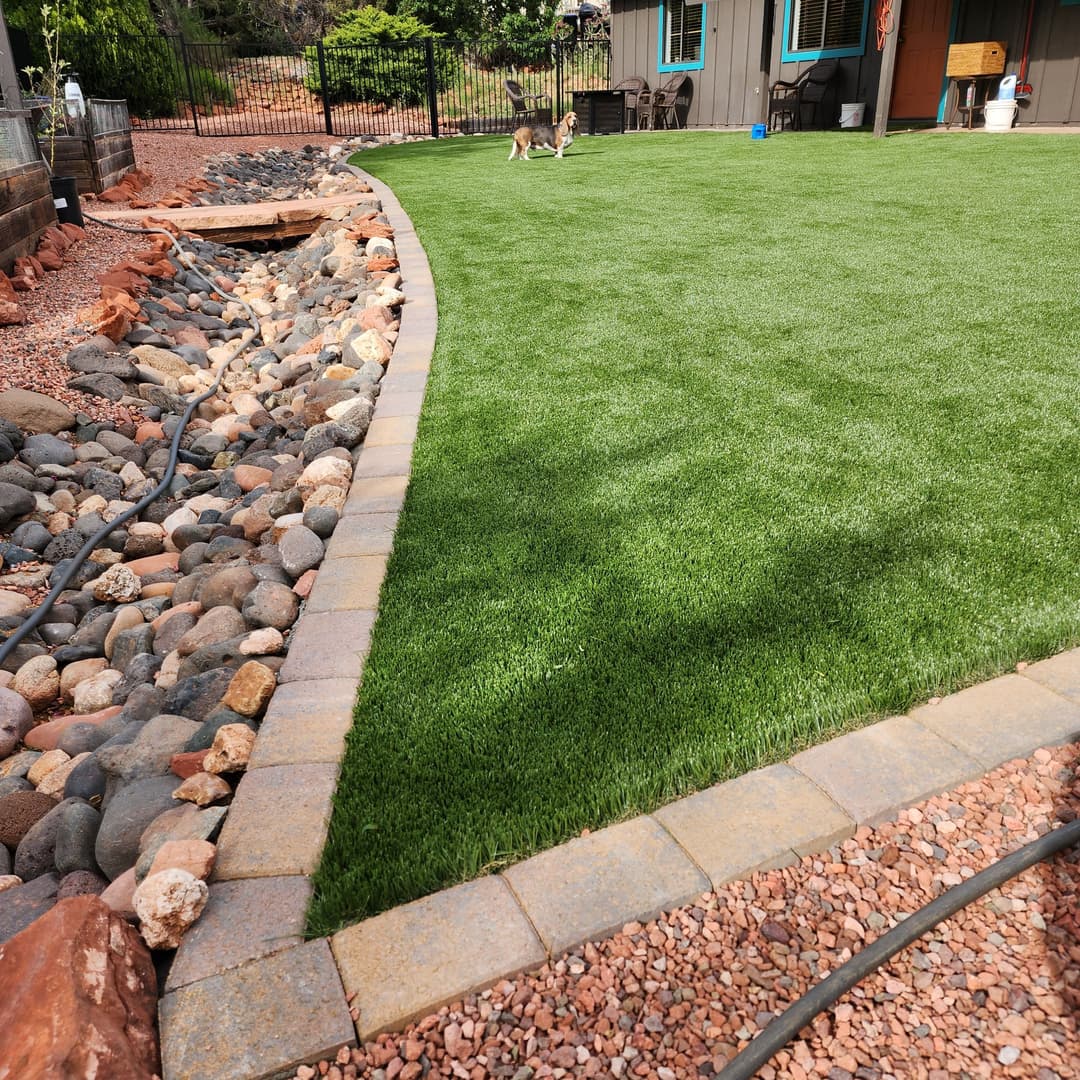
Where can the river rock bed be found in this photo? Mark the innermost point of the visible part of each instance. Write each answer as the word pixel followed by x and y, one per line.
pixel 128 715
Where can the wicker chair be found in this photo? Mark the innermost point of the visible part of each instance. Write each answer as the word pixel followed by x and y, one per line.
pixel 658 108
pixel 528 108
pixel 787 100
pixel 632 88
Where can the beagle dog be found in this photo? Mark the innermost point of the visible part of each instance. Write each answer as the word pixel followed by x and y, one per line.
pixel 544 137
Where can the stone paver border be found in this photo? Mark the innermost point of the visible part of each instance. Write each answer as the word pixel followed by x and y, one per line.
pixel 247 998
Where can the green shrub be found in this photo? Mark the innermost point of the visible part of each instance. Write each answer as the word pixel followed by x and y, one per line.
pixel 375 57
pixel 114 46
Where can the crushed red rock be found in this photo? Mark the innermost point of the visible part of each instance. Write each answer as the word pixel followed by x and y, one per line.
pixel 994 991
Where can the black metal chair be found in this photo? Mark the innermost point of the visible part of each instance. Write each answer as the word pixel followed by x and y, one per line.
pixel 787 100
pixel 528 108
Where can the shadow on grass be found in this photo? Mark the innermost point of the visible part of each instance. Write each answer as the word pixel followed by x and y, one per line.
pixel 585 693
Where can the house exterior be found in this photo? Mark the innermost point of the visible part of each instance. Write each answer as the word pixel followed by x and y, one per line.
pixel 732 50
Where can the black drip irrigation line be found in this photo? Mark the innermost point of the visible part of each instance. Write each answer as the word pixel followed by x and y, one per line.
pixel 187 261
pixel 788 1025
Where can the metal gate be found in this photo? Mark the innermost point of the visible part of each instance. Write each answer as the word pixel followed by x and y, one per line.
pixel 422 88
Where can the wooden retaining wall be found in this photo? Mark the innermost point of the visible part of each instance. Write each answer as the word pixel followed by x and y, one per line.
pixel 26 202
pixel 98 151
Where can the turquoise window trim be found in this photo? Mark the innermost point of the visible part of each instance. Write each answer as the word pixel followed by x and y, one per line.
pixel 945 78
pixel 692 65
pixel 822 54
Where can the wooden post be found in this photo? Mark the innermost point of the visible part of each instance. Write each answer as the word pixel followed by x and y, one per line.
pixel 888 67
pixel 9 79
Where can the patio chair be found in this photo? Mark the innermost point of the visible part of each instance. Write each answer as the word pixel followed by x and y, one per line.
pixel 528 108
pixel 787 100
pixel 658 108
pixel 632 88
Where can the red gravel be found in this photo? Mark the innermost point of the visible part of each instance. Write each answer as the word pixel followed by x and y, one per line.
pixel 32 356
pixel 994 991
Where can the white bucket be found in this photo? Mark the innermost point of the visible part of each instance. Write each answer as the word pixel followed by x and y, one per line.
pixel 851 115
pixel 999 115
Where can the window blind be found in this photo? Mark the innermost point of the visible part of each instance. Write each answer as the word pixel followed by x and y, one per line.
pixel 826 24
pixel 684 32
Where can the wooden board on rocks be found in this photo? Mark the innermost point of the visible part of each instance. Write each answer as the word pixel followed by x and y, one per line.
pixel 249 221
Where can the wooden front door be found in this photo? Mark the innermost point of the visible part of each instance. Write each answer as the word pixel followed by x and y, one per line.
pixel 920 59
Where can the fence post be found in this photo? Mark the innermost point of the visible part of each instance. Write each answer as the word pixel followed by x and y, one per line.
pixel 558 80
pixel 432 87
pixel 190 84
pixel 328 116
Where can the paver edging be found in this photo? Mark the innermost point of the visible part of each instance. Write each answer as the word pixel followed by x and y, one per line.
pixel 368 520
pixel 378 491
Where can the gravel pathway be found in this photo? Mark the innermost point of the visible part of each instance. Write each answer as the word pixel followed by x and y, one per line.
pixel 995 991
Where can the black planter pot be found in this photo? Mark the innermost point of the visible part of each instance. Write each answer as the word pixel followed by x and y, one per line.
pixel 65 191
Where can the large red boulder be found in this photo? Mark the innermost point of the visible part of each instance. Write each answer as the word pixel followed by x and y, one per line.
pixel 86 997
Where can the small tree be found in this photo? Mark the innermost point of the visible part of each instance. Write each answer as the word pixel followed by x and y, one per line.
pixel 46 80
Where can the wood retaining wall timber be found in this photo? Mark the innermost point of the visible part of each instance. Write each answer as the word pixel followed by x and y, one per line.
pixel 26 202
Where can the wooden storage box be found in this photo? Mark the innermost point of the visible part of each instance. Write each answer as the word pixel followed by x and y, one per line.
pixel 975 58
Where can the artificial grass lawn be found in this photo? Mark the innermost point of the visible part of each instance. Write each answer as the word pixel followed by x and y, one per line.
pixel 728 446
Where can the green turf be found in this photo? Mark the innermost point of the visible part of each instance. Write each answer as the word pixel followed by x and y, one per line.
pixel 728 446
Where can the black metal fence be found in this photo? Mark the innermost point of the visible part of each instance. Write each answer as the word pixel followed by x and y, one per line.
pixel 427 87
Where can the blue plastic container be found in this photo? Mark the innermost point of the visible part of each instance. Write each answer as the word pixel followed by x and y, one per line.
pixel 1007 89
pixel 758 131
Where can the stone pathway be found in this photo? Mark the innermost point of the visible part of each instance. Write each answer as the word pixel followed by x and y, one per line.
pixel 248 998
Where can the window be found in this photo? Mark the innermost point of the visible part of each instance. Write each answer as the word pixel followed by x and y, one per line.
pixel 820 28
pixel 682 36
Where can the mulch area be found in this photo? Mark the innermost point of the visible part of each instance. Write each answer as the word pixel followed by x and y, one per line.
pixel 994 991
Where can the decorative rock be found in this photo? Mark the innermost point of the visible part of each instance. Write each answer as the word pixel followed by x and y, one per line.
pixel 15 502
pixel 198 695
pixel 46 736
pixel 46 450
pixel 250 691
pixel 53 784
pixel 263 642
pixel 232 748
pixel 87 1000
pixel 20 906
pixel 167 904
pixel 16 719
pixel 120 895
pixel 300 550
pixel 45 764
pixel 38 682
pixel 129 811
pixel 75 835
pixel 184 822
pixel 36 853
pixel 271 604
pixel 117 584
pixel 35 412
pixel 217 625
pixel 194 856
pixel 81 883
pixel 19 812
pixel 74 673
pixel 202 788
pixel 151 751
pixel 187 763
pixel 250 477
pixel 96 693
pixel 126 619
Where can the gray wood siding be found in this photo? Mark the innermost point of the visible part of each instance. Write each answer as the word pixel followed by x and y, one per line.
pixel 732 88
pixel 1054 67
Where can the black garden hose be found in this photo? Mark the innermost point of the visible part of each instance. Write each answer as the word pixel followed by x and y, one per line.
pixel 76 562
pixel 788 1025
